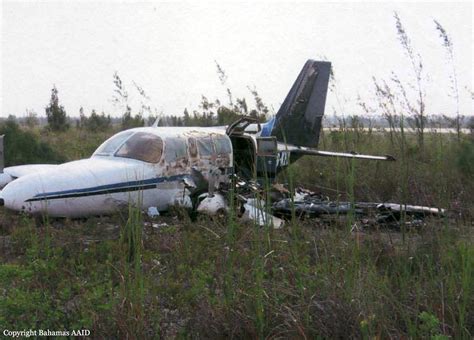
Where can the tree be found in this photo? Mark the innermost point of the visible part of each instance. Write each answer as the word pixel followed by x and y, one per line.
pixel 97 122
pixel 186 118
pixel 129 121
pixel 55 113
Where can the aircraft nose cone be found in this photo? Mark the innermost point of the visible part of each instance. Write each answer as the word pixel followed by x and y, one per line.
pixel 15 195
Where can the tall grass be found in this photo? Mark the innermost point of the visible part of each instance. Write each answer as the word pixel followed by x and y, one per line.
pixel 310 279
pixel 132 280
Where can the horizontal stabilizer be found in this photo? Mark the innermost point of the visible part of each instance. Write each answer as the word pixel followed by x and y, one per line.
pixel 309 152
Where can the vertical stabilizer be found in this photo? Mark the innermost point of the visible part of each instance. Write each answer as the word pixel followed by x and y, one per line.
pixel 299 118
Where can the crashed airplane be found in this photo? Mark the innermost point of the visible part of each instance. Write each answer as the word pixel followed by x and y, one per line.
pixel 161 166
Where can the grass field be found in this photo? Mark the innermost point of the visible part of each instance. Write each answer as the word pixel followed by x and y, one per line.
pixel 120 276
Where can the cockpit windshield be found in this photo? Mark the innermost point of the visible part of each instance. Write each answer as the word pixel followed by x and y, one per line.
pixel 110 145
pixel 142 146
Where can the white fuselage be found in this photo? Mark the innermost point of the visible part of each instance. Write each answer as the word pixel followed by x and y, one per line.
pixel 144 167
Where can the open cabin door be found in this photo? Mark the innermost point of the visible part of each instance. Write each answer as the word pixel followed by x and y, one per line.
pixel 267 157
pixel 253 157
pixel 238 127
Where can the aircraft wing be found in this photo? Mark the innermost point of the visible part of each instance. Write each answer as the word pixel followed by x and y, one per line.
pixel 23 170
pixel 13 172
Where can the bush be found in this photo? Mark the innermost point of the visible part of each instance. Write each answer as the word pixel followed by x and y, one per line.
pixel 24 147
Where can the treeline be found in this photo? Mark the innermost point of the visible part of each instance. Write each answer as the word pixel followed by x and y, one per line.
pixel 209 113
pixel 214 113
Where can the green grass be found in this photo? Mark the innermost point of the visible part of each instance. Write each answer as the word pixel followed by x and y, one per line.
pixel 215 278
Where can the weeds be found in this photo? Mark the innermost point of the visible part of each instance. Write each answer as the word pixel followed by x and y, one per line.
pixel 132 282
pixel 216 278
pixel 182 280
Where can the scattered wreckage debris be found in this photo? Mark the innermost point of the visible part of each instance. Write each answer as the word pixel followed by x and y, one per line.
pixel 312 205
pixel 304 204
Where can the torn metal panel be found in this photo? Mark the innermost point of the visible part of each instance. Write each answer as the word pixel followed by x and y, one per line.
pixel 153 212
pixel 312 208
pixel 254 211
pixel 212 205
pixel 411 209
pixel 389 212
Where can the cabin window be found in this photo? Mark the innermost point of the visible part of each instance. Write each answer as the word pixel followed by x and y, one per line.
pixel 223 145
pixel 205 146
pixel 192 147
pixel 175 148
pixel 109 146
pixel 142 146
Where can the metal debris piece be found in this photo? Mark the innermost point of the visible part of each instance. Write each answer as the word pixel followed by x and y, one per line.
pixel 311 208
pixel 254 211
pixel 212 204
pixel 308 204
pixel 389 212
pixel 304 204
pixel 153 212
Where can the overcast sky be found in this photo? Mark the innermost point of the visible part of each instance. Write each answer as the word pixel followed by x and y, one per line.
pixel 170 50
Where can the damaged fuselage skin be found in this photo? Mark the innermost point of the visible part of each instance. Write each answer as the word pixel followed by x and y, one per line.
pixel 144 166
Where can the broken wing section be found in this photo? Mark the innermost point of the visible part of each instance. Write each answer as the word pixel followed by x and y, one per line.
pixel 298 121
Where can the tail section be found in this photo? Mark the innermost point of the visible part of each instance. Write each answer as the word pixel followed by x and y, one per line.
pixel 298 121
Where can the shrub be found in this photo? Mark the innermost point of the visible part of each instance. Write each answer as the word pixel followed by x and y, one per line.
pixel 24 147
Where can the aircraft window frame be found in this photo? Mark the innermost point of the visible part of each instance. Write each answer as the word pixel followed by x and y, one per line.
pixel 171 144
pixel 205 144
pixel 120 137
pixel 222 145
pixel 143 150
